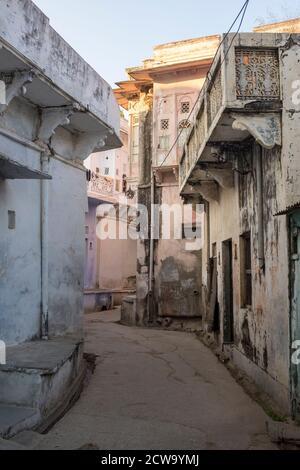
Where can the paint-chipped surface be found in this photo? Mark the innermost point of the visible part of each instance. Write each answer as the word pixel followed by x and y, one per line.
pixel 27 29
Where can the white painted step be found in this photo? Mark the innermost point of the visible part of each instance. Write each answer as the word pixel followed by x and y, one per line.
pixel 14 419
pixel 10 445
pixel 28 439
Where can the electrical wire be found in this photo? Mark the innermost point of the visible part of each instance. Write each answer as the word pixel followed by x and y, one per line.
pixel 209 78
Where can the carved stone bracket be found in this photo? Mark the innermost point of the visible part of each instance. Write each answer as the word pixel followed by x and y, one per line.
pixel 266 128
pixel 16 87
pixel 87 143
pixel 210 191
pixel 52 118
pixel 206 190
pixel 222 176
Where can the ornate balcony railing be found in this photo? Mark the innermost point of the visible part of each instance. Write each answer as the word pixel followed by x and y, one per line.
pixel 101 185
pixel 244 79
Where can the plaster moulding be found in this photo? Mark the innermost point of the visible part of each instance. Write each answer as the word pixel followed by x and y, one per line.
pixel 16 87
pixel 266 129
pixel 87 143
pixel 52 118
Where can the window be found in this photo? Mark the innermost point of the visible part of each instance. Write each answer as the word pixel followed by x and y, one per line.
pixel 106 171
pixel 164 124
pixel 164 142
pixel 97 170
pixel 11 220
pixel 118 186
pixel 185 107
pixel 183 130
pixel 117 171
pixel 246 270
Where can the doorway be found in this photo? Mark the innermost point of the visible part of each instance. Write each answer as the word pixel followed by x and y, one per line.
pixel 228 326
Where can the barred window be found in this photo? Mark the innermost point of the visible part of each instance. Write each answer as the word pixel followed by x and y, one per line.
pixel 183 130
pixel 185 107
pixel 164 124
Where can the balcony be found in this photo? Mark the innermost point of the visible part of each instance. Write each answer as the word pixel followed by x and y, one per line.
pixel 240 98
pixel 101 187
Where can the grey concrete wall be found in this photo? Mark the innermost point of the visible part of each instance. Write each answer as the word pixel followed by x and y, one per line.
pixel 20 261
pixel 67 206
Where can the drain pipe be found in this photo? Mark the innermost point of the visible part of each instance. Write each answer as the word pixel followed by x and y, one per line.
pixel 44 249
pixel 260 207
pixel 151 254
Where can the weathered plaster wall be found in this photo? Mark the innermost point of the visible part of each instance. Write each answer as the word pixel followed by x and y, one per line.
pixel 290 80
pixel 91 254
pixel 261 332
pixel 27 29
pixel 177 271
pixel 169 93
pixel 20 261
pixel 117 262
pixel 67 207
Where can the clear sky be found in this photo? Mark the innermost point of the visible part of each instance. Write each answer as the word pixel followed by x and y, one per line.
pixel 114 34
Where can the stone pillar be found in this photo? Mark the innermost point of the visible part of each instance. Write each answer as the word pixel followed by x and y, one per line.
pixel 144 197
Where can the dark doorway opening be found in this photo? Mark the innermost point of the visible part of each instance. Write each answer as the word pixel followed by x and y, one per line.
pixel 228 322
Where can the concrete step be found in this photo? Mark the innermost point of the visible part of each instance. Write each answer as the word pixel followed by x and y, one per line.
pixel 28 439
pixel 38 383
pixel 38 372
pixel 10 445
pixel 14 419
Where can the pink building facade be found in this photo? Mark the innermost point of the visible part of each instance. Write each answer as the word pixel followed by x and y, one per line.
pixel 110 264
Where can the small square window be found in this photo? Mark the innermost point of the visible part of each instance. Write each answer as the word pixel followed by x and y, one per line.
pixel 185 107
pixel 164 124
pixel 11 220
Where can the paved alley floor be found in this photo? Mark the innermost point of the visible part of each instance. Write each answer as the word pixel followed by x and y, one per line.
pixel 155 389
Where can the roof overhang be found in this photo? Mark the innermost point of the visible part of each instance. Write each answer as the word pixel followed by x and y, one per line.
pixel 10 169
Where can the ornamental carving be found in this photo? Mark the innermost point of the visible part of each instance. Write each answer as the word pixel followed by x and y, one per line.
pixel 215 97
pixel 101 184
pixel 257 74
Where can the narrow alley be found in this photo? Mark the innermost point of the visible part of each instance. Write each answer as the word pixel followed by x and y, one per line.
pixel 150 229
pixel 156 389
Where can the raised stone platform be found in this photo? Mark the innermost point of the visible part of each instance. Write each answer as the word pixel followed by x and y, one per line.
pixel 38 382
pixel 128 311
pixel 97 300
